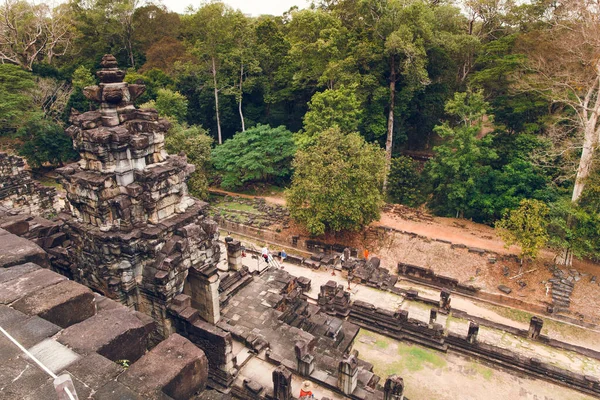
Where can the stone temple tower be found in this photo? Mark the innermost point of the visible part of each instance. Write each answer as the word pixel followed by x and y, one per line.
pixel 136 235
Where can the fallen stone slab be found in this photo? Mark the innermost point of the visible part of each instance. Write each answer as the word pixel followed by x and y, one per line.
pixel 25 329
pixel 118 334
pixel 94 370
pixel 115 391
pixel 175 367
pixel 28 283
pixel 476 250
pixel 15 224
pixel 7 274
pixel 63 304
pixel 504 289
pixel 15 250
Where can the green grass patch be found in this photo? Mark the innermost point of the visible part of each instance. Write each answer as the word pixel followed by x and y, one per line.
pixel 414 357
pixel 390 356
pixel 485 372
pixel 233 206
pixel 262 190
pixel 382 343
pixel 50 182
pixel 512 313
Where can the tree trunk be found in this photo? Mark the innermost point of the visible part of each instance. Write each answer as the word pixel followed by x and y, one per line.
pixel 130 51
pixel 390 132
pixel 214 73
pixel 590 142
pixel 565 258
pixel 241 96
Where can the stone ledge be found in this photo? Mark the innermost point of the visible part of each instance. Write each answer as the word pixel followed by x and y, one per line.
pixel 175 367
pixel 28 283
pixel 15 250
pixel 116 334
pixel 63 304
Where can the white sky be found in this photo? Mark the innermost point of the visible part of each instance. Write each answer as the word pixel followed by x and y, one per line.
pixel 252 7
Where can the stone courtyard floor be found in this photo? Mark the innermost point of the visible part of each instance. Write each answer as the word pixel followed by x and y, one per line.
pixel 429 374
pixel 435 375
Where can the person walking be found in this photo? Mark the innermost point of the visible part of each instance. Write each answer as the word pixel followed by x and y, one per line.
pixel 265 253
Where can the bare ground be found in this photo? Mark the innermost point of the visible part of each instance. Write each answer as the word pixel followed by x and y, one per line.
pixel 471 268
pixel 433 375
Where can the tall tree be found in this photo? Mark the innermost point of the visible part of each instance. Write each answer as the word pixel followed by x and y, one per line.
pixel 15 103
pixel 31 32
pixel 404 28
pixel 565 67
pixel 336 183
pixel 210 31
pixel 463 157
pixel 332 107
pixel 242 60
pixel 526 226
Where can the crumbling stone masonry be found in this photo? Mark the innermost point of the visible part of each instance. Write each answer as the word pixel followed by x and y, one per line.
pixel 84 335
pixel 20 193
pixel 394 388
pixel 135 234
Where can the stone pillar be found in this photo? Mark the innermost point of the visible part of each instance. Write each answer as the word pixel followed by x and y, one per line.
pixel 306 362
pixel 348 373
pixel 202 286
pixel 535 327
pixel 432 317
pixel 234 254
pixel 473 331
pixel 445 301
pixel 282 383
pixel 401 316
pixel 394 388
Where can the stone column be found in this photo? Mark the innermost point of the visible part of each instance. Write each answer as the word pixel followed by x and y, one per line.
pixel 535 327
pixel 473 331
pixel 432 317
pixel 306 362
pixel 401 316
pixel 234 254
pixel 445 301
pixel 282 383
pixel 203 287
pixel 348 373
pixel 394 388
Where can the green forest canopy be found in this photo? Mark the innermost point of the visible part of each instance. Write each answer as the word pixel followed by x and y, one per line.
pixel 496 99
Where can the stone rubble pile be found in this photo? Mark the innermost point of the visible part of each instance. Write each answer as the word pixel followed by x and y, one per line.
pixel 20 193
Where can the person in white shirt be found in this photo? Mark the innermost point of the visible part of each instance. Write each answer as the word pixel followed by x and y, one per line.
pixel 265 254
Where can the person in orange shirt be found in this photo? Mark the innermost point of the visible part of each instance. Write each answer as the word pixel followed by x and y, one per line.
pixel 366 254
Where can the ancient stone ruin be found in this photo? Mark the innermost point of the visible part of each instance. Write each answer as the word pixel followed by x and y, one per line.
pixel 132 234
pixel 136 235
pixel 19 193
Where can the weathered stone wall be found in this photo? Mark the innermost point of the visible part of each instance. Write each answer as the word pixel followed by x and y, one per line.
pixel 215 342
pixel 144 268
pixel 135 234
pixel 20 193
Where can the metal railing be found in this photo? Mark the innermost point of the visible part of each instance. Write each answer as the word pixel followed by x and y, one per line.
pixel 62 384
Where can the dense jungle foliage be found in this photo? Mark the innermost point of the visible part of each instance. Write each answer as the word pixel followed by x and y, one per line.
pixel 477 105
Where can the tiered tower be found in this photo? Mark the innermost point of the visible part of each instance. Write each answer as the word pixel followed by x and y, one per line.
pixel 136 235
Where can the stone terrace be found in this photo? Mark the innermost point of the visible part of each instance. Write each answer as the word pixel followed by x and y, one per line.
pixel 73 331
